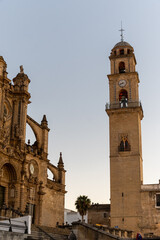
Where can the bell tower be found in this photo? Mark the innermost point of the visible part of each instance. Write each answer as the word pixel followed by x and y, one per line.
pixel 20 103
pixel 125 114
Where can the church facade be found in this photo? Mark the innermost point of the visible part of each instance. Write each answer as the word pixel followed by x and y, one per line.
pixel 24 183
pixel 134 206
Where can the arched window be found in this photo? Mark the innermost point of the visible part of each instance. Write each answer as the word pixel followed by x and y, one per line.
pixel 124 144
pixel 121 67
pixel 123 98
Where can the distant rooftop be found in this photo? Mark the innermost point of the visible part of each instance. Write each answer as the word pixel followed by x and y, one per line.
pixel 100 206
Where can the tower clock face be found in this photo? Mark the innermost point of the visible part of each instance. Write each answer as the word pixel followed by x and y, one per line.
pixel 122 83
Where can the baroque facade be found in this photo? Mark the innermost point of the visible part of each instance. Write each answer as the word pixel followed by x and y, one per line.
pixel 134 205
pixel 24 183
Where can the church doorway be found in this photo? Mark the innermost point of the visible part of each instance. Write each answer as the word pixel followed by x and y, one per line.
pixel 8 185
pixel 2 195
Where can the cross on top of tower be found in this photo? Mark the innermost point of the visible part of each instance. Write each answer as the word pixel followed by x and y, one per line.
pixel 121 30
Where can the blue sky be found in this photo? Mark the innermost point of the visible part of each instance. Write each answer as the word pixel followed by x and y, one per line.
pixel 64 47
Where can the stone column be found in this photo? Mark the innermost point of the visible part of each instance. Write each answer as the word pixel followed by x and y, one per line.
pixel 40 201
pixel 21 196
pixel 23 172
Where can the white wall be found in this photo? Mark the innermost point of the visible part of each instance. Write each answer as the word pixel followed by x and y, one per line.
pixel 72 216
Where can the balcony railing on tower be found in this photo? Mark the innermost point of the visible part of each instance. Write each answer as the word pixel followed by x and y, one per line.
pixel 123 104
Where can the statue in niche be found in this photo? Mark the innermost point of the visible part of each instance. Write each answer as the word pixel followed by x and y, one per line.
pixel 17 131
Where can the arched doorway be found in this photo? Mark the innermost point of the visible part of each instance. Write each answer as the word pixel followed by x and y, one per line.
pixel 7 185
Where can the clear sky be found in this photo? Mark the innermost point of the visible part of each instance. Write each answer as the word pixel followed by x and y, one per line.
pixel 64 47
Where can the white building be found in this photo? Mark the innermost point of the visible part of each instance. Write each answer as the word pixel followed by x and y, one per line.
pixel 73 216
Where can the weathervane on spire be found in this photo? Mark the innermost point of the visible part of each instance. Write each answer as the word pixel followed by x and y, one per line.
pixel 121 30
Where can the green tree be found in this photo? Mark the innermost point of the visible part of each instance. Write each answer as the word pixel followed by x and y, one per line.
pixel 82 204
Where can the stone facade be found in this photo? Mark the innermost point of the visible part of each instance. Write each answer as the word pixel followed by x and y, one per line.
pixel 99 214
pixel 150 209
pixel 24 184
pixel 133 205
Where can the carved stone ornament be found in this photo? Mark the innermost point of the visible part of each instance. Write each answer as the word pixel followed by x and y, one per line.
pixel 33 168
pixel 7 111
pixel 40 192
pixel 4 135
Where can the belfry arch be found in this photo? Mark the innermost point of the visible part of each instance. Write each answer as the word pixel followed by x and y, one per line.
pixel 122 67
pixel 123 94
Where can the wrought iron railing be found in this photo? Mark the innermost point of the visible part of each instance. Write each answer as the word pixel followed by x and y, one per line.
pixel 123 104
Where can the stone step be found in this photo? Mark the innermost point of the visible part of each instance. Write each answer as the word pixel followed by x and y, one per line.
pixel 38 235
pixel 56 234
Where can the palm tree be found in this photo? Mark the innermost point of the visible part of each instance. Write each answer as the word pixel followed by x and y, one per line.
pixel 82 204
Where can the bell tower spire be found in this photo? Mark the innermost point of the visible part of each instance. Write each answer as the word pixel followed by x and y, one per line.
pixel 125 115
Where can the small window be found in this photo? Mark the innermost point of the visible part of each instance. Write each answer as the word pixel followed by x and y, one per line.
pixel 105 215
pixel 115 53
pixel 121 51
pixel 158 200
